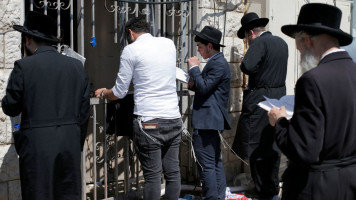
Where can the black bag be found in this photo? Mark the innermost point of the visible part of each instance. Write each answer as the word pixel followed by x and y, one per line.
pixel 119 117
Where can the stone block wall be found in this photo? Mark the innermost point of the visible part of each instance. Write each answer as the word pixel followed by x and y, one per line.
pixel 11 12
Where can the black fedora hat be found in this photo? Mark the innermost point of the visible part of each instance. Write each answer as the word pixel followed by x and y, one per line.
pixel 210 34
pixel 316 18
pixel 249 21
pixel 40 26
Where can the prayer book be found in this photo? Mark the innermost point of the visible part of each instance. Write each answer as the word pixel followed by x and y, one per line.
pixel 286 101
pixel 182 75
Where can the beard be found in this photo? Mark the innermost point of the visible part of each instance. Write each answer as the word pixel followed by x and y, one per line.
pixel 308 61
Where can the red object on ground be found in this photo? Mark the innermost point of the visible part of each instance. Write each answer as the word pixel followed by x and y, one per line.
pixel 235 197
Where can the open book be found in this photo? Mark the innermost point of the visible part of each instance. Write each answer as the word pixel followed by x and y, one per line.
pixel 182 75
pixel 286 101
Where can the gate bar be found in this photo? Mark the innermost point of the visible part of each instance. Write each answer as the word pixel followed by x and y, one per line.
pixel 158 34
pixel 71 25
pixel 145 2
pixel 115 22
pixel 164 19
pixel 82 27
pixel 59 24
pixel 172 22
pixel 93 20
pixel 94 151
pixel 105 153
pixel 45 7
pixel 31 5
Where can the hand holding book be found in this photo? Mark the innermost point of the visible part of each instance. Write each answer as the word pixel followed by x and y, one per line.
pixel 286 101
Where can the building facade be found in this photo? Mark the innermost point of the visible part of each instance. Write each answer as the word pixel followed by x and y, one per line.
pixel 92 28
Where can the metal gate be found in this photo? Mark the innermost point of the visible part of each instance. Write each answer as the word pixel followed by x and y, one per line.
pixel 110 169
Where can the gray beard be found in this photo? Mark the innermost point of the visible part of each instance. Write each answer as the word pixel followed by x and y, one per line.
pixel 308 62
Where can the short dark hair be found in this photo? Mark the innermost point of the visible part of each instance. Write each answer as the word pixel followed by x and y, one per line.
pixel 205 42
pixel 137 25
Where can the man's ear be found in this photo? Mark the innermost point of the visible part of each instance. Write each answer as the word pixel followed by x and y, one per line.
pixel 131 32
pixel 28 40
pixel 250 33
pixel 210 45
pixel 308 41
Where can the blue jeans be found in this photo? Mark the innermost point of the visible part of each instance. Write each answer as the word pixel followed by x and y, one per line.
pixel 158 152
pixel 207 149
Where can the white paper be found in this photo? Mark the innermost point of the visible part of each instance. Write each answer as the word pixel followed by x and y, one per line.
pixel 239 54
pixel 286 101
pixel 71 53
pixel 182 75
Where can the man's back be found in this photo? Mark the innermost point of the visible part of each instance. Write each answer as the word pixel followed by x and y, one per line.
pixel 266 61
pixel 320 139
pixel 54 85
pixel 332 84
pixel 154 63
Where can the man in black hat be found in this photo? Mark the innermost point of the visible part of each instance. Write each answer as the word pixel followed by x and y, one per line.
pixel 51 91
pixel 210 114
pixel 320 138
pixel 266 64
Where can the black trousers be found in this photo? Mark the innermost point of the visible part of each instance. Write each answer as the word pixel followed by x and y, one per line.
pixel 264 165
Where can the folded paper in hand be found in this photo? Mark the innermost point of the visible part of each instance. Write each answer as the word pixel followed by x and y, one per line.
pixel 182 75
pixel 286 101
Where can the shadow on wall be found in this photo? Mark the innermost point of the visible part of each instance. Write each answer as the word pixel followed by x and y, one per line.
pixel 229 7
pixel 10 186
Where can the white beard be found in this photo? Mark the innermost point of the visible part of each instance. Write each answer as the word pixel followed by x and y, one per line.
pixel 308 61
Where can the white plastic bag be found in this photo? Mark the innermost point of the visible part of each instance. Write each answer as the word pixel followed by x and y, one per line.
pixel 71 53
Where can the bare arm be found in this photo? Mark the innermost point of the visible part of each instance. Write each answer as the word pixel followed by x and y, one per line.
pixel 105 93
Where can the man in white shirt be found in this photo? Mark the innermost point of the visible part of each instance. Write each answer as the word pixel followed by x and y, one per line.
pixel 150 62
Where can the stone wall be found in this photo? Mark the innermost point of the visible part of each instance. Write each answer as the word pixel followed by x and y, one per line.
pixel 11 12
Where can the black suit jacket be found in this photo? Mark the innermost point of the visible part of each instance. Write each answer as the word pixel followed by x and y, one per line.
pixel 48 89
pixel 323 128
pixel 212 87
pixel 51 91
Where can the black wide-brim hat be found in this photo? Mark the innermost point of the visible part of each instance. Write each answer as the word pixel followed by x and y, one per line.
pixel 249 21
pixel 210 34
pixel 317 18
pixel 39 26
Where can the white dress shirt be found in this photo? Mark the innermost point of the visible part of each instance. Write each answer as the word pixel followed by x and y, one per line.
pixel 151 64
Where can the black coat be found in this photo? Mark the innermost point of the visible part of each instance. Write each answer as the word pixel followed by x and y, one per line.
pixel 51 92
pixel 322 129
pixel 265 63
